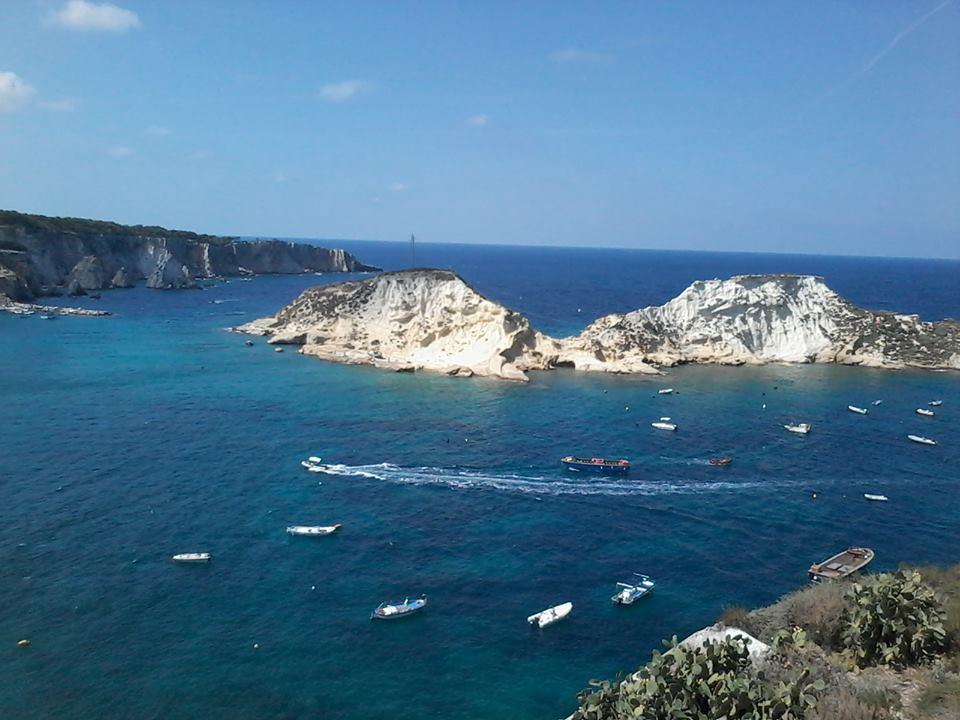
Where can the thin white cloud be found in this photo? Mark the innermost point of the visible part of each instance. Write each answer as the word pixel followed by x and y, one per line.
pixel 120 151
pixel 342 91
pixel 576 55
pixel 84 15
pixel 480 120
pixel 159 130
pixel 61 105
pixel 15 92
pixel 399 187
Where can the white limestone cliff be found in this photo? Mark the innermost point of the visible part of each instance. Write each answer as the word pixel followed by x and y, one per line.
pixel 433 320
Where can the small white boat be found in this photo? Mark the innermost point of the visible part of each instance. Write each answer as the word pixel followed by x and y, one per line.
pixel 802 428
pixel 925 412
pixel 664 425
pixel 935 403
pixel 877 402
pixel 200 557
pixel 278 349
pixel 315 459
pixel 664 391
pixel 858 410
pixel 313 530
pixel 876 498
pixel 550 615
pixel 629 593
pixel 922 440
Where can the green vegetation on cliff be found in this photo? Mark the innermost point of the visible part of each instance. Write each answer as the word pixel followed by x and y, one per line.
pixel 82 226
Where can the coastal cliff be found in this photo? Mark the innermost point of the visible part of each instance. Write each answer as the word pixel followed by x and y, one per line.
pixel 432 319
pixel 417 319
pixel 44 256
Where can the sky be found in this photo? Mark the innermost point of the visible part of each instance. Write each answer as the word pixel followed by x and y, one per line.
pixel 814 127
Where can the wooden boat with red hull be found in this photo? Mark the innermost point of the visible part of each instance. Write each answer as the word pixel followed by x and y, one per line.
pixel 841 565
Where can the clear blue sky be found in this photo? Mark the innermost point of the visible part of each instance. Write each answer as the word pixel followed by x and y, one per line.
pixel 827 127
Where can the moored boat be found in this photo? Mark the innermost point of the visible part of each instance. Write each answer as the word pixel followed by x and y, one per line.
pixel 801 428
pixel 195 557
pixel 935 403
pixel 841 565
pixel 858 410
pixel 721 461
pixel 550 615
pixel 396 610
pixel 877 402
pixel 876 498
pixel 922 440
pixel 663 425
pixel 601 465
pixel 631 592
pixel 313 530
pixel 925 412
pixel 665 391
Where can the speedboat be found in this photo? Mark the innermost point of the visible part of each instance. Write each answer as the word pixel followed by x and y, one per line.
pixel 841 565
pixel 313 530
pixel 925 412
pixel 278 349
pixel 802 428
pixel 550 615
pixel 198 557
pixel 397 610
pixel 877 402
pixel 664 391
pixel 922 440
pixel 935 403
pixel 876 498
pixel 859 410
pixel 720 461
pixel 664 425
pixel 601 465
pixel 631 592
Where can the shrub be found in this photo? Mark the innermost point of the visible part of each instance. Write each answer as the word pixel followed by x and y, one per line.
pixel 893 619
pixel 713 681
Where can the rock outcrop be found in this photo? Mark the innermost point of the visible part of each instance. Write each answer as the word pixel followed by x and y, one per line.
pixel 42 256
pixel 418 319
pixel 431 319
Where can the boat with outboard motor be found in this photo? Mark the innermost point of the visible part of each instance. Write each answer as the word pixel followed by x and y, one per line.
pixel 396 610
pixel 922 440
pixel 841 565
pixel 858 410
pixel 550 615
pixel 925 412
pixel 876 498
pixel 720 461
pixel 194 557
pixel 801 428
pixel 629 593
pixel 600 465
pixel 313 530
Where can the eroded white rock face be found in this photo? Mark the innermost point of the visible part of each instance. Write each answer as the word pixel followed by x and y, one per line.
pixel 431 319
pixel 761 319
pixel 419 319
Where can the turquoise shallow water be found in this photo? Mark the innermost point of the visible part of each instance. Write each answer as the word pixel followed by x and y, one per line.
pixel 152 432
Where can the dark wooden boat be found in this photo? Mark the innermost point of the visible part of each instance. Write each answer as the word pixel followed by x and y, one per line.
pixel 721 461
pixel 841 565
pixel 600 465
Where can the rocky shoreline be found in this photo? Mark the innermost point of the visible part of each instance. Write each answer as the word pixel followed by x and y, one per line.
pixel 433 320
pixel 53 256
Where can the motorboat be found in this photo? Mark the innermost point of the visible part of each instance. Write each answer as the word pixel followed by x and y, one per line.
pixel 720 461
pixel 313 530
pixel 665 391
pixel 802 428
pixel 925 412
pixel 397 610
pixel 858 410
pixel 600 465
pixel 278 349
pixel 935 403
pixel 841 565
pixel 877 402
pixel 550 615
pixel 876 498
pixel 629 593
pixel 194 557
pixel 922 440
pixel 663 425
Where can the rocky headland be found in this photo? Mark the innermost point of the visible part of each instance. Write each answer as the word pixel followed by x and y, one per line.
pixel 433 320
pixel 51 256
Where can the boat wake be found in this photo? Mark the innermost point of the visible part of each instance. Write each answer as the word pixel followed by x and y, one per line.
pixel 461 478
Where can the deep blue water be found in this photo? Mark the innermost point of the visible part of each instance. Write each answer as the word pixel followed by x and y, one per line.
pixel 130 438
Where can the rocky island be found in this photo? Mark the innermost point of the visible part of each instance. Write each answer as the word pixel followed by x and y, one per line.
pixel 50 256
pixel 433 320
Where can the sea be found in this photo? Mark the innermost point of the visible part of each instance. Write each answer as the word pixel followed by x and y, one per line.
pixel 154 431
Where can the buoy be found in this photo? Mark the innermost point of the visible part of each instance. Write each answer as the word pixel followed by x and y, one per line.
pixel 627 407
pixel 313 587
pixel 764 406
pixel 256 645
pixel 23 643
pixel 814 496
